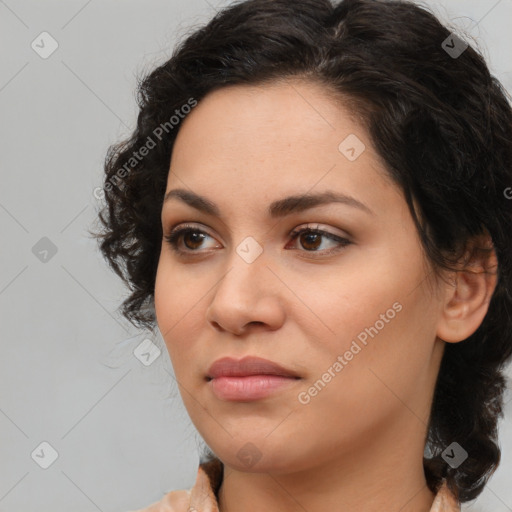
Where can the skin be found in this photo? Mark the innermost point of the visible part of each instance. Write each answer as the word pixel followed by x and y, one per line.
pixel 360 440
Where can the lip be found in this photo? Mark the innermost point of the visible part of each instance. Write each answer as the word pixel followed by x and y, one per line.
pixel 247 366
pixel 249 378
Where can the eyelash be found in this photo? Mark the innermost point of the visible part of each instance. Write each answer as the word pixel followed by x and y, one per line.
pixel 173 237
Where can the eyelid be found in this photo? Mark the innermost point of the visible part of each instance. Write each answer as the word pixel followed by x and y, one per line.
pixel 186 225
pixel 342 241
pixel 319 228
pixel 176 232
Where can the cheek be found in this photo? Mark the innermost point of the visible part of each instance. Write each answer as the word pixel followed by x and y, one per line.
pixel 378 373
pixel 363 294
pixel 180 303
pixel 379 311
pixel 385 344
pixel 171 304
pixel 166 303
pixel 175 292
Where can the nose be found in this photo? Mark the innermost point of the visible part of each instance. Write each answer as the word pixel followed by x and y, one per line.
pixel 248 297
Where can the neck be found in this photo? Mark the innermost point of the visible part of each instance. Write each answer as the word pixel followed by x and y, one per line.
pixel 366 479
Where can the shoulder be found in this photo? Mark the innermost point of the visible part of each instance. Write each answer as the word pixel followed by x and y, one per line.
pixel 175 501
pixel 202 496
pixel 445 500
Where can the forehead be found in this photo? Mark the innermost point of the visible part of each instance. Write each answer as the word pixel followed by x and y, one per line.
pixel 264 117
pixel 270 139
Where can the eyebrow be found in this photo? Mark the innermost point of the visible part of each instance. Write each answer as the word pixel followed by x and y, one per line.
pixel 279 208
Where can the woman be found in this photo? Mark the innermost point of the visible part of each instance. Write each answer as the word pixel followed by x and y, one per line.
pixel 313 211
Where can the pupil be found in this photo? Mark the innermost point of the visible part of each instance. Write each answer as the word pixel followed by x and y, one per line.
pixel 196 239
pixel 310 239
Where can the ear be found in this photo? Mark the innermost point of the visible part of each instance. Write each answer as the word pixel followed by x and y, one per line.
pixel 466 298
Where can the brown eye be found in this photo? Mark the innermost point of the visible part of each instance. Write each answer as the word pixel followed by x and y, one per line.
pixel 186 239
pixel 192 239
pixel 311 239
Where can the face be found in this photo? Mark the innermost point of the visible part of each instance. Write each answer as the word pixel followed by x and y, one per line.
pixel 334 289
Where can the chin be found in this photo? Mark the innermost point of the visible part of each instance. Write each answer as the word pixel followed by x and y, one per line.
pixel 258 454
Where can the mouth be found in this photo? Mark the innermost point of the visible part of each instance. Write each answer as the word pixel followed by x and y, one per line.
pixel 246 367
pixel 248 379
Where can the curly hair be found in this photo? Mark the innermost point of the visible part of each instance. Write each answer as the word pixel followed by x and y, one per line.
pixel 441 123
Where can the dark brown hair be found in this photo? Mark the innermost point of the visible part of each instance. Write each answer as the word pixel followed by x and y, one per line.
pixel 440 122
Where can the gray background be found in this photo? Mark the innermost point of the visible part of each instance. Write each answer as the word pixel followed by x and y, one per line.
pixel 68 373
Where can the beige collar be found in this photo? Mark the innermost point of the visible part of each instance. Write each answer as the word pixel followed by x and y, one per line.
pixel 203 496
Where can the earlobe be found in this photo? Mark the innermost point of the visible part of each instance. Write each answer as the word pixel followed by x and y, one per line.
pixel 467 298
